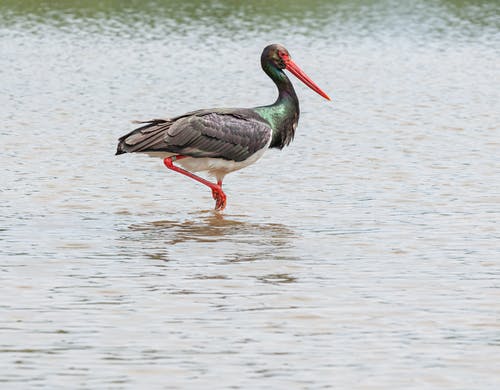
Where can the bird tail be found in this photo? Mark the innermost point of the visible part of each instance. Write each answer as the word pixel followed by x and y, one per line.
pixel 145 138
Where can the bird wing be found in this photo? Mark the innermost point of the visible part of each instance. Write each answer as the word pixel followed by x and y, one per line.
pixel 232 136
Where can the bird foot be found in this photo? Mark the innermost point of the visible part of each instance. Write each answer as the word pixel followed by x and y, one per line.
pixel 220 199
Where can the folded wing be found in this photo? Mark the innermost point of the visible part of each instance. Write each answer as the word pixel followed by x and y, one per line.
pixel 228 134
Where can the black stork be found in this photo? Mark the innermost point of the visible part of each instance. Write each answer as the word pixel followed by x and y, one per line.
pixel 223 140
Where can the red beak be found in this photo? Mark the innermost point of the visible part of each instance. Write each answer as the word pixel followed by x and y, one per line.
pixel 297 72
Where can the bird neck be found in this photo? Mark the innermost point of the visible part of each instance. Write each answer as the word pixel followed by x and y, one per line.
pixel 283 114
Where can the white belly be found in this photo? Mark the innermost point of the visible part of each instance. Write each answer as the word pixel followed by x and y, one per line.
pixel 216 167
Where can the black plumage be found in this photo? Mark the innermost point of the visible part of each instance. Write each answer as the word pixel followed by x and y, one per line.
pixel 231 134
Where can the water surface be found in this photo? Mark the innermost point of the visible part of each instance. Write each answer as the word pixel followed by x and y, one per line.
pixel 365 255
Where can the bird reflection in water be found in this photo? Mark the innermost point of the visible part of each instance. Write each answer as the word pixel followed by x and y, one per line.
pixel 226 238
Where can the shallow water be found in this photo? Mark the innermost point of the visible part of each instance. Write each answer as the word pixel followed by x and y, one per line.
pixel 365 255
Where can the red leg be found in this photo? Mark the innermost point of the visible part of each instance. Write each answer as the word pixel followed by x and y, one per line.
pixel 217 193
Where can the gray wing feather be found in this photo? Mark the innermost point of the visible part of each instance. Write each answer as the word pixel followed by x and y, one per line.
pixel 232 134
pixel 218 135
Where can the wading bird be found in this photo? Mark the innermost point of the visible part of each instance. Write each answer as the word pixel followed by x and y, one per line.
pixel 223 140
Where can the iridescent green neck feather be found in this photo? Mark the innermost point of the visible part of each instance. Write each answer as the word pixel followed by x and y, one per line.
pixel 283 114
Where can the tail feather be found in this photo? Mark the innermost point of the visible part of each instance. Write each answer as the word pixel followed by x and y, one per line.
pixel 145 138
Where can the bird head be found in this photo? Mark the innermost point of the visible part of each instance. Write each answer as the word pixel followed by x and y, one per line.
pixel 277 55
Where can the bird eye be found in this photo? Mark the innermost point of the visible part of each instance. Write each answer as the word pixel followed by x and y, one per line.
pixel 283 55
